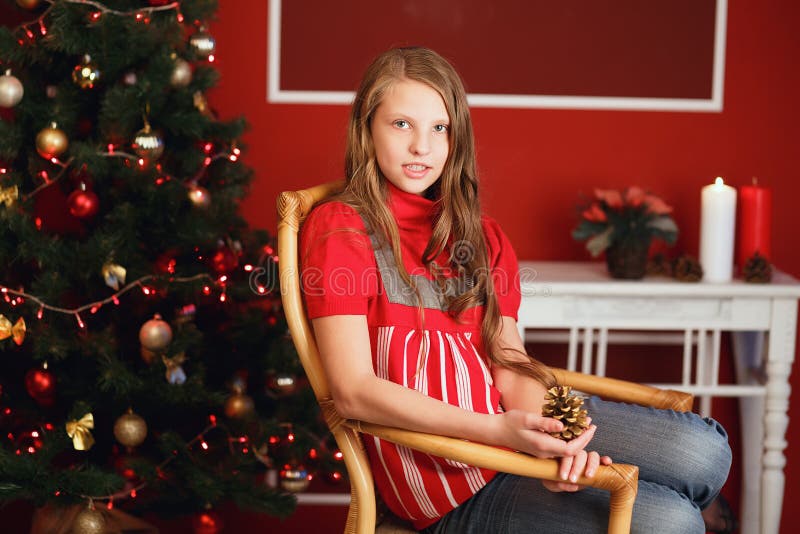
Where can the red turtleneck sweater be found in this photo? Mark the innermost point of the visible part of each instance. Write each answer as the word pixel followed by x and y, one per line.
pixel 343 274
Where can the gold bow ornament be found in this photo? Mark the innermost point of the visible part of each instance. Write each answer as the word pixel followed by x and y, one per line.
pixel 8 195
pixel 17 330
pixel 79 429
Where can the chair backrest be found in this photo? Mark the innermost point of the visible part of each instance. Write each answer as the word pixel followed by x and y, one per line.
pixel 293 208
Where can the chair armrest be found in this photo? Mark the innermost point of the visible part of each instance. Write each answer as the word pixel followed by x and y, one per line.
pixel 619 479
pixel 621 390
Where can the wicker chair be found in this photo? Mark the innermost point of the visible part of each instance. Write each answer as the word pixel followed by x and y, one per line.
pixel 619 479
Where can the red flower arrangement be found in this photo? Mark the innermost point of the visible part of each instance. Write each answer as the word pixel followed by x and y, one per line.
pixel 631 217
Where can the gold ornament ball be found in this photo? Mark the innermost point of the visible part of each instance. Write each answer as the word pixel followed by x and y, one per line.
pixel 86 75
pixel 89 521
pixel 181 73
pixel 11 90
pixel 199 196
pixel 148 144
pixel 155 334
pixel 294 478
pixel 203 44
pixel 239 406
pixel 29 4
pixel 51 141
pixel 130 429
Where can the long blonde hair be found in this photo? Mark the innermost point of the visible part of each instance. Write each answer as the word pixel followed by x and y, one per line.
pixel 458 217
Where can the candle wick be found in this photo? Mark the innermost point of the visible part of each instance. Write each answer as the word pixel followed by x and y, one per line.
pixel 755 180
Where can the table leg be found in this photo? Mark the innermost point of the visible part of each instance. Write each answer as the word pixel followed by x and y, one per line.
pixel 779 364
pixel 748 350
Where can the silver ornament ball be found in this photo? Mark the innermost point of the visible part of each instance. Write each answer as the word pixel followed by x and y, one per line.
pixel 181 73
pixel 89 521
pixel 11 90
pixel 203 44
pixel 281 384
pixel 294 478
pixel 130 429
pixel 155 334
pixel 148 144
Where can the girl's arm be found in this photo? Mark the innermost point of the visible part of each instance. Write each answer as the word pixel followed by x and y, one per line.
pixel 344 347
pixel 522 392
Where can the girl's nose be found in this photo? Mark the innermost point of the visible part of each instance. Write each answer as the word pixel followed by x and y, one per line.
pixel 420 144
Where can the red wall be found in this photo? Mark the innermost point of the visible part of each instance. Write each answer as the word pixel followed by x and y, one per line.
pixel 537 161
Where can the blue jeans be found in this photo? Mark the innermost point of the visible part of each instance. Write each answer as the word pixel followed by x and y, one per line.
pixel 683 462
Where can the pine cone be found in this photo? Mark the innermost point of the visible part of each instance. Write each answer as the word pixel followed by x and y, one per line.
pixel 757 269
pixel 686 268
pixel 568 408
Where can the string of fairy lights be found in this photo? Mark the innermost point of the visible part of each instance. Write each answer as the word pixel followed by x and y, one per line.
pixel 141 14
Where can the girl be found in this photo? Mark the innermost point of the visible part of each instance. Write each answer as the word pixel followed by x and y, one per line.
pixel 413 297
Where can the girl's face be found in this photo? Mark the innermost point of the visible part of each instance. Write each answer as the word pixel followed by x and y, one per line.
pixel 410 132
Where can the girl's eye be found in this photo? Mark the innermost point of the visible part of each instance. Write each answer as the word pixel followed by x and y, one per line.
pixel 401 123
pixel 441 128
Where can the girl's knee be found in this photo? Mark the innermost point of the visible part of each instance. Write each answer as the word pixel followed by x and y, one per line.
pixel 662 510
pixel 707 444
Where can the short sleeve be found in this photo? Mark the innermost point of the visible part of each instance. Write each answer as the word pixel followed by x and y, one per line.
pixel 505 268
pixel 338 272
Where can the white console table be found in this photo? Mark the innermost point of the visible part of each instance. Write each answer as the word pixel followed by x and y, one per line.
pixel 581 299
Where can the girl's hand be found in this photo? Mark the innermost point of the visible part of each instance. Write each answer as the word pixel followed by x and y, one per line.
pixel 584 463
pixel 529 433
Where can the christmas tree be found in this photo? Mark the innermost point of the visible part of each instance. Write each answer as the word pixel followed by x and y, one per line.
pixel 144 363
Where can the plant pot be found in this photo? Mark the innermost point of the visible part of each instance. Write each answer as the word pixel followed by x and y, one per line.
pixel 628 259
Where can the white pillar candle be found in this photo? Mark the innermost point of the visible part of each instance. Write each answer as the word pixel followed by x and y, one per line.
pixel 717 224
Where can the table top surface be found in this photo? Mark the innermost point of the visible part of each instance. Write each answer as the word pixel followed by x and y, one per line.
pixel 592 278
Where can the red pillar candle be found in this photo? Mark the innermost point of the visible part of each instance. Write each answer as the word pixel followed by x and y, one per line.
pixel 755 222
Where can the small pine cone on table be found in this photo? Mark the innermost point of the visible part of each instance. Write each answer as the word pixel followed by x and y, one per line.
pixel 757 269
pixel 659 265
pixel 562 404
pixel 686 268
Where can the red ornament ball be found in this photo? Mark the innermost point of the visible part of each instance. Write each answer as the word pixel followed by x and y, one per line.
pixel 41 385
pixel 207 522
pixel 83 204
pixel 224 260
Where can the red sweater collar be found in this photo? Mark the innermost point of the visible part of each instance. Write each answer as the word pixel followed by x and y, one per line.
pixel 410 210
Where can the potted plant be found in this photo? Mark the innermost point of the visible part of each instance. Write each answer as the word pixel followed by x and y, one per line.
pixel 623 224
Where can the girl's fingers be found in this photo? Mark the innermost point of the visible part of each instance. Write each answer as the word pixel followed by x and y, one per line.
pixel 578 466
pixel 564 468
pixel 543 424
pixel 606 460
pixel 592 463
